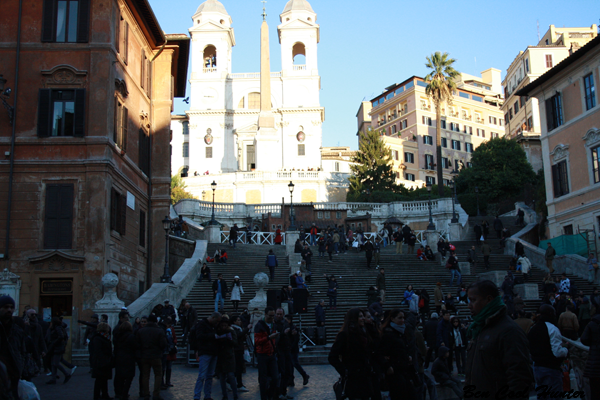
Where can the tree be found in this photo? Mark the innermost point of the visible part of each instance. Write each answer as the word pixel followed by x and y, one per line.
pixel 500 170
pixel 178 191
pixel 440 85
pixel 372 167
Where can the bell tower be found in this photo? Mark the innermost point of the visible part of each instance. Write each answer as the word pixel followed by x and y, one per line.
pixel 298 36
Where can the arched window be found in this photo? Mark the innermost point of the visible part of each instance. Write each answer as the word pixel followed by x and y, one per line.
pixel 254 101
pixel 299 54
pixel 210 56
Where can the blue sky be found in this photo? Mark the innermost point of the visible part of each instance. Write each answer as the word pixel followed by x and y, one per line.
pixel 368 45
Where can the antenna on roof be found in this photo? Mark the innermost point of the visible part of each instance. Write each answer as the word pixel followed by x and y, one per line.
pixel 538 29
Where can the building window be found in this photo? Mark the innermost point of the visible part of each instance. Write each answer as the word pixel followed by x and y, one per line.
pixel 455 145
pixel 327 215
pixel 186 150
pixel 395 155
pixel 145 73
pixel 428 140
pixel 568 229
pixel 142 234
pixel 209 152
pixel 394 128
pixel 409 177
pixel 186 127
pixel 58 218
pixel 430 180
pixel 444 142
pixel 560 179
pixel 66 21
pixel 61 112
pixel 510 114
pixel 404 123
pixel 554 116
pixel 144 151
pixel 469 164
pixel 548 60
pixel 530 123
pixel 338 215
pixel 494 120
pixel 301 150
pixel 596 164
pixel 429 164
pixel 469 147
pixel 426 120
pixel 527 65
pixel 409 158
pixel 516 106
pixel 121 123
pixel 590 91
pixel 337 166
pixel 443 123
pixel 118 211
pixel 445 162
pixel 470 130
pixel 446 182
pixel 320 215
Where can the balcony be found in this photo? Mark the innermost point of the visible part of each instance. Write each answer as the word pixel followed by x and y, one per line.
pixel 210 70
pixel 479 120
pixel 300 67
pixel 425 107
pixel 454 114
pixel 466 117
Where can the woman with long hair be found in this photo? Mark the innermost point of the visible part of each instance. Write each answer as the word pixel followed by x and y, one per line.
pixel 397 365
pixel 350 355
pixel 236 292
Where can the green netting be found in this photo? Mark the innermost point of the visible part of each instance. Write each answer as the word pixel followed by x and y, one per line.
pixel 567 244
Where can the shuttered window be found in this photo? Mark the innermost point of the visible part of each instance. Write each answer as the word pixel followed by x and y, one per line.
pixel 560 179
pixel 61 112
pixel 66 21
pixel 121 124
pixel 554 116
pixel 144 151
pixel 142 234
pixel 118 211
pixel 58 219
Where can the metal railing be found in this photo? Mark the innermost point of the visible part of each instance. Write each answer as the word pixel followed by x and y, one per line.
pixel 259 238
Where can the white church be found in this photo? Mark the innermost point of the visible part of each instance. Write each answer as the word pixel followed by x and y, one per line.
pixel 253 133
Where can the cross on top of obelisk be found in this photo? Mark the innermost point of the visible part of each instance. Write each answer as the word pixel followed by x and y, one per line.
pixel 264 14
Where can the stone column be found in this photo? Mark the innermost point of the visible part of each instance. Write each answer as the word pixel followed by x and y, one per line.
pixel 454 231
pixel 432 238
pixel 290 241
pixel 214 233
pixel 110 303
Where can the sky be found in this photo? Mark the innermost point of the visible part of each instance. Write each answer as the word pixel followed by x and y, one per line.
pixel 369 45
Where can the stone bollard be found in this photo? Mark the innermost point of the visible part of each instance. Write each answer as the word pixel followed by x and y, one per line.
pixel 214 233
pixel 465 268
pixel 261 280
pixel 527 291
pixel 110 303
pixel 495 276
pixel 290 241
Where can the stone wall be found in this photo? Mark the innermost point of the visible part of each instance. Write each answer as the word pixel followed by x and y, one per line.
pixel 180 249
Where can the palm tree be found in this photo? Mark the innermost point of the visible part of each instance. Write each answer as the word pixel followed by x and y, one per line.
pixel 440 86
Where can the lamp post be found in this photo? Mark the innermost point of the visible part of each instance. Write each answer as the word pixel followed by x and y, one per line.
pixel 213 221
pixel 5 94
pixel 166 277
pixel 292 216
pixel 431 226
pixel 477 194
pixel 454 219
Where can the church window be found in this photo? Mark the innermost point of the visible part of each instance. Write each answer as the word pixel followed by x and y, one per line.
pixel 299 54
pixel 254 101
pixel 210 56
pixel 209 152
pixel 241 104
pixel 301 150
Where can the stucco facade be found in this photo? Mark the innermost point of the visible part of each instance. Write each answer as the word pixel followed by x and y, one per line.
pixel 90 168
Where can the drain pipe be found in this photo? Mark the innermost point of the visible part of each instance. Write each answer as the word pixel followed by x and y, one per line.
pixel 14 133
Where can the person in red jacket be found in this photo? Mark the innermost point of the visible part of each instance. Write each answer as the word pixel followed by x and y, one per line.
pixel 265 339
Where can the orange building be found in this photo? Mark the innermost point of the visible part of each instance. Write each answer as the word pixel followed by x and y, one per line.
pixel 85 167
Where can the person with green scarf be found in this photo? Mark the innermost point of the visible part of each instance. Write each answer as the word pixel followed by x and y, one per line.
pixel 498 360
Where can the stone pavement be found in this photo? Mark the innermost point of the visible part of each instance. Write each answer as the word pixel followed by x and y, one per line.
pixel 81 386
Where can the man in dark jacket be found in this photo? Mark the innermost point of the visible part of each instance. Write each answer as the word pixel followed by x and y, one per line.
pixel 498 226
pixel 430 334
pixel 190 320
pixel 271 262
pixel 443 333
pixel 284 353
pixel 34 331
pixel 307 256
pixel 233 235
pixel 90 327
pixel 205 345
pixel 320 313
pixel 12 344
pixel 547 352
pixel 219 288
pixel 410 241
pixel 442 374
pixel 498 352
pixel 152 342
pixel 168 311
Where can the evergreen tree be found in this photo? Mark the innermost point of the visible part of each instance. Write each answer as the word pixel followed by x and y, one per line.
pixel 372 167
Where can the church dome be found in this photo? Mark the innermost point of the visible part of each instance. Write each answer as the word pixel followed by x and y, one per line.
pixel 298 5
pixel 212 6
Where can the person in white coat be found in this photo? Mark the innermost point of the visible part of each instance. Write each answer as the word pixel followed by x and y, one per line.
pixel 525 266
pixel 236 292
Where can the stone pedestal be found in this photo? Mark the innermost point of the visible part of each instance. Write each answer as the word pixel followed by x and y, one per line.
pixel 261 280
pixel 454 232
pixel 432 238
pixel 110 303
pixel 214 233
pixel 290 241
pixel 10 284
pixel 294 260
pixel 527 291
pixel 465 268
pixel 495 276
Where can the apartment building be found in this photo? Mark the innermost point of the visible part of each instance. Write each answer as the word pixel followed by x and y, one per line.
pixel 405 116
pixel 85 173
pixel 570 140
pixel 521 114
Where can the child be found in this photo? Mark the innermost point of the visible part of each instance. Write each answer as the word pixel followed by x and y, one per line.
pixel 442 374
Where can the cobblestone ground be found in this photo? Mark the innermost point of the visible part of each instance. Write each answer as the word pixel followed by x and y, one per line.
pixel 81 386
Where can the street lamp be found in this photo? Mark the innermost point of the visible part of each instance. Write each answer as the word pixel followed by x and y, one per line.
pixel 166 278
pixel 4 94
pixel 292 217
pixel 477 194
pixel 452 184
pixel 213 221
pixel 431 226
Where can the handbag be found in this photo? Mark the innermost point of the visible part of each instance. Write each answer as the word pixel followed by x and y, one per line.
pixel 339 388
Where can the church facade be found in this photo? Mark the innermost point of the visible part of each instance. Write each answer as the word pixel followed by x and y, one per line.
pixel 260 126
